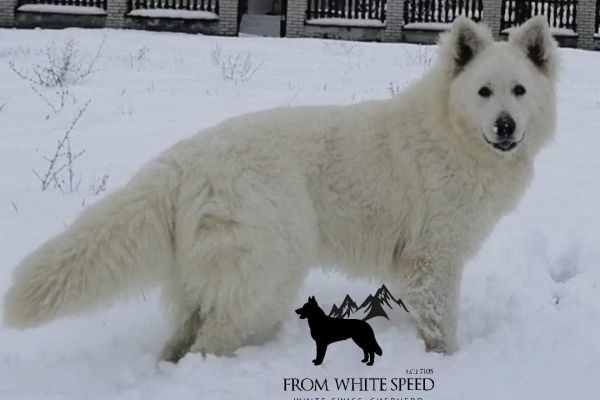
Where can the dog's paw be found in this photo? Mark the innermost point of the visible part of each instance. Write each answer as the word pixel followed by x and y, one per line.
pixel 172 354
pixel 437 340
pixel 436 345
pixel 316 362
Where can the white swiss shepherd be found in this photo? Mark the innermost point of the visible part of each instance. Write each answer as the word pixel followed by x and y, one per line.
pixel 228 223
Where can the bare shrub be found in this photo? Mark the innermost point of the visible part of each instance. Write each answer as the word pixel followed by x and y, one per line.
pixel 15 51
pixel 394 89
pixel 138 59
pixel 64 66
pixel 216 54
pixel 60 173
pixel 423 57
pixel 238 67
pixel 98 185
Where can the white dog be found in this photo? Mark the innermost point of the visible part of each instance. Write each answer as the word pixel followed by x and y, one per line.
pixel 229 222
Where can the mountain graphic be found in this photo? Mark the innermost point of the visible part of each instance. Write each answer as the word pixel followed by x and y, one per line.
pixel 373 306
pixel 346 309
pixel 386 297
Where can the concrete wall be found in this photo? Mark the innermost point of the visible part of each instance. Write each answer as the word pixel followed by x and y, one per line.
pixel 344 33
pixel 57 21
pixel 173 25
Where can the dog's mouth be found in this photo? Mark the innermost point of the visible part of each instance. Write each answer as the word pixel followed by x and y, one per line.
pixel 504 145
pixel 300 314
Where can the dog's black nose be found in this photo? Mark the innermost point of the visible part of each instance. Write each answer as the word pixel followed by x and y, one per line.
pixel 505 127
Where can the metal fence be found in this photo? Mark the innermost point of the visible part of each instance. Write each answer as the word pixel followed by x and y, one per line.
pixel 189 5
pixel 560 13
pixel 441 11
pixel 348 9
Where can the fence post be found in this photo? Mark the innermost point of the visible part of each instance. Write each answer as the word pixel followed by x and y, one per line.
pixel 115 13
pixel 492 15
pixel 7 13
pixel 228 18
pixel 296 14
pixel 394 19
pixel 586 23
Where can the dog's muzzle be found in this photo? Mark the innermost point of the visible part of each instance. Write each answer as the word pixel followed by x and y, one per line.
pixel 504 145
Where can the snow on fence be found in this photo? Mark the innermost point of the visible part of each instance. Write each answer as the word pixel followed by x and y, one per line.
pixel 560 13
pixel 346 9
pixel 441 11
pixel 211 6
pixel 68 3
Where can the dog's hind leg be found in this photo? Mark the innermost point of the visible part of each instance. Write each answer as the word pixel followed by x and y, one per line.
pixel 248 296
pixel 248 273
pixel 182 340
pixel 185 317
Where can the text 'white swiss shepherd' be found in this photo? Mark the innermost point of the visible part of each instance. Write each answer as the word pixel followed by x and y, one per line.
pixel 403 190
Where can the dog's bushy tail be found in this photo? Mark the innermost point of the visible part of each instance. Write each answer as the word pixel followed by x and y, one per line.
pixel 377 349
pixel 113 248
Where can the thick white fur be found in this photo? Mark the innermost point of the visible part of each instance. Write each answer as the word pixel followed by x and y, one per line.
pixel 229 222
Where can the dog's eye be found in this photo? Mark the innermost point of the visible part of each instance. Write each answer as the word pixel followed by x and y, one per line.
pixel 485 91
pixel 519 90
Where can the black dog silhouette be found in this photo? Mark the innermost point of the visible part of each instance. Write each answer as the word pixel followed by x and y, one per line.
pixel 326 330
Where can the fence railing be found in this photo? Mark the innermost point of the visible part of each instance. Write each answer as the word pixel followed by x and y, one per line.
pixel 82 3
pixel 349 9
pixel 442 11
pixel 189 5
pixel 559 13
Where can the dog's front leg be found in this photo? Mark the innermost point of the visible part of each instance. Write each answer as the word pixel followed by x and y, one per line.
pixel 432 291
pixel 321 350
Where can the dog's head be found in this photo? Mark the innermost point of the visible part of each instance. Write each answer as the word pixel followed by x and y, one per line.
pixel 309 309
pixel 501 94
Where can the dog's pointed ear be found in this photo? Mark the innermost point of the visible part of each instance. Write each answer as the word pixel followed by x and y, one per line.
pixel 465 40
pixel 536 41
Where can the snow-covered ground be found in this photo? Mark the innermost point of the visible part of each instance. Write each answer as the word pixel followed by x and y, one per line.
pixel 530 325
